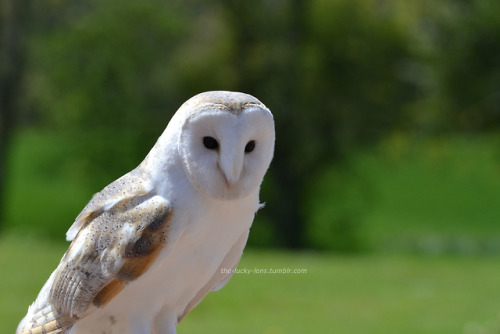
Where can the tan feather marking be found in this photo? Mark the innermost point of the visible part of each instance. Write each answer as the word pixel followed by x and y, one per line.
pixel 108 292
pixel 141 253
pixel 135 267
pixel 232 102
pixel 52 327
pixel 90 217
pixel 130 271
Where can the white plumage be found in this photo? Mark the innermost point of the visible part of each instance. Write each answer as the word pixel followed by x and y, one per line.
pixel 152 244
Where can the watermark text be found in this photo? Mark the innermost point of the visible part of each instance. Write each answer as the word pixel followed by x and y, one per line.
pixel 264 271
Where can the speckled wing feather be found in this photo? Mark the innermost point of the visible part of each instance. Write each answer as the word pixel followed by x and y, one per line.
pixel 128 186
pixel 121 232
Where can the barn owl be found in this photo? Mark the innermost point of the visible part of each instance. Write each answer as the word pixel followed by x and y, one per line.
pixel 148 247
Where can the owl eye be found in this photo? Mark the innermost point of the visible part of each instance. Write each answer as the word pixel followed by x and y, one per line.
pixel 250 146
pixel 211 143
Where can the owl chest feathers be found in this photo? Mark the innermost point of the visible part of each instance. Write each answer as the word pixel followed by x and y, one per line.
pixel 201 234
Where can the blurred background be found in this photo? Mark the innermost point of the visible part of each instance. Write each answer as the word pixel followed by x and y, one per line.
pixel 386 179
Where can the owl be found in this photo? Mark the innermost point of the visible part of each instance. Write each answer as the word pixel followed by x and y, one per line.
pixel 149 247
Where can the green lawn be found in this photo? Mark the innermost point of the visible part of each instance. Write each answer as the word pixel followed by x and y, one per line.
pixel 338 294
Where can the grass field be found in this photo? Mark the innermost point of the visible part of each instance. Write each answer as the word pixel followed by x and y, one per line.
pixel 338 294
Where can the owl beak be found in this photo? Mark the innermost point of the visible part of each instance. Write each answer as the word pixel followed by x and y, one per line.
pixel 230 165
pixel 229 184
pixel 230 179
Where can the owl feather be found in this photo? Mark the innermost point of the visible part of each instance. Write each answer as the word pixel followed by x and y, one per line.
pixel 115 243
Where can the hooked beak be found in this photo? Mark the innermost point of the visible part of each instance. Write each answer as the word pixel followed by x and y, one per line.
pixel 230 165
pixel 230 179
pixel 229 184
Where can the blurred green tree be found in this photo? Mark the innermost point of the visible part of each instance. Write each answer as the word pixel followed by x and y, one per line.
pixel 467 65
pixel 332 73
pixel 14 15
pixel 338 76
pixel 108 79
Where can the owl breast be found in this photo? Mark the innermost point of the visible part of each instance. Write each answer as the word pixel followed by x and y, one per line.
pixel 180 272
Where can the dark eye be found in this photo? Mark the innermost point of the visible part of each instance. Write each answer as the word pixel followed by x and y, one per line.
pixel 250 146
pixel 211 143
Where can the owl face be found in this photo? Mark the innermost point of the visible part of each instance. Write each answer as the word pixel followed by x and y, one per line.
pixel 226 152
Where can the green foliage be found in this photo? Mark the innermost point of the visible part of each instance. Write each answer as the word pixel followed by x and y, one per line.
pixel 340 76
pixel 426 195
pixel 338 202
pixel 111 87
pixel 470 76
pixel 106 78
pixel 458 51
pixel 355 61
pixel 436 195
pixel 45 192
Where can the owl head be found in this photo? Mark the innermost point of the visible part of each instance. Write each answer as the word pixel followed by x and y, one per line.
pixel 226 142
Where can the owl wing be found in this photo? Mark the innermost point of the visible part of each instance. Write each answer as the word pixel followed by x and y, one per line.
pixel 120 233
pixel 126 187
pixel 222 275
